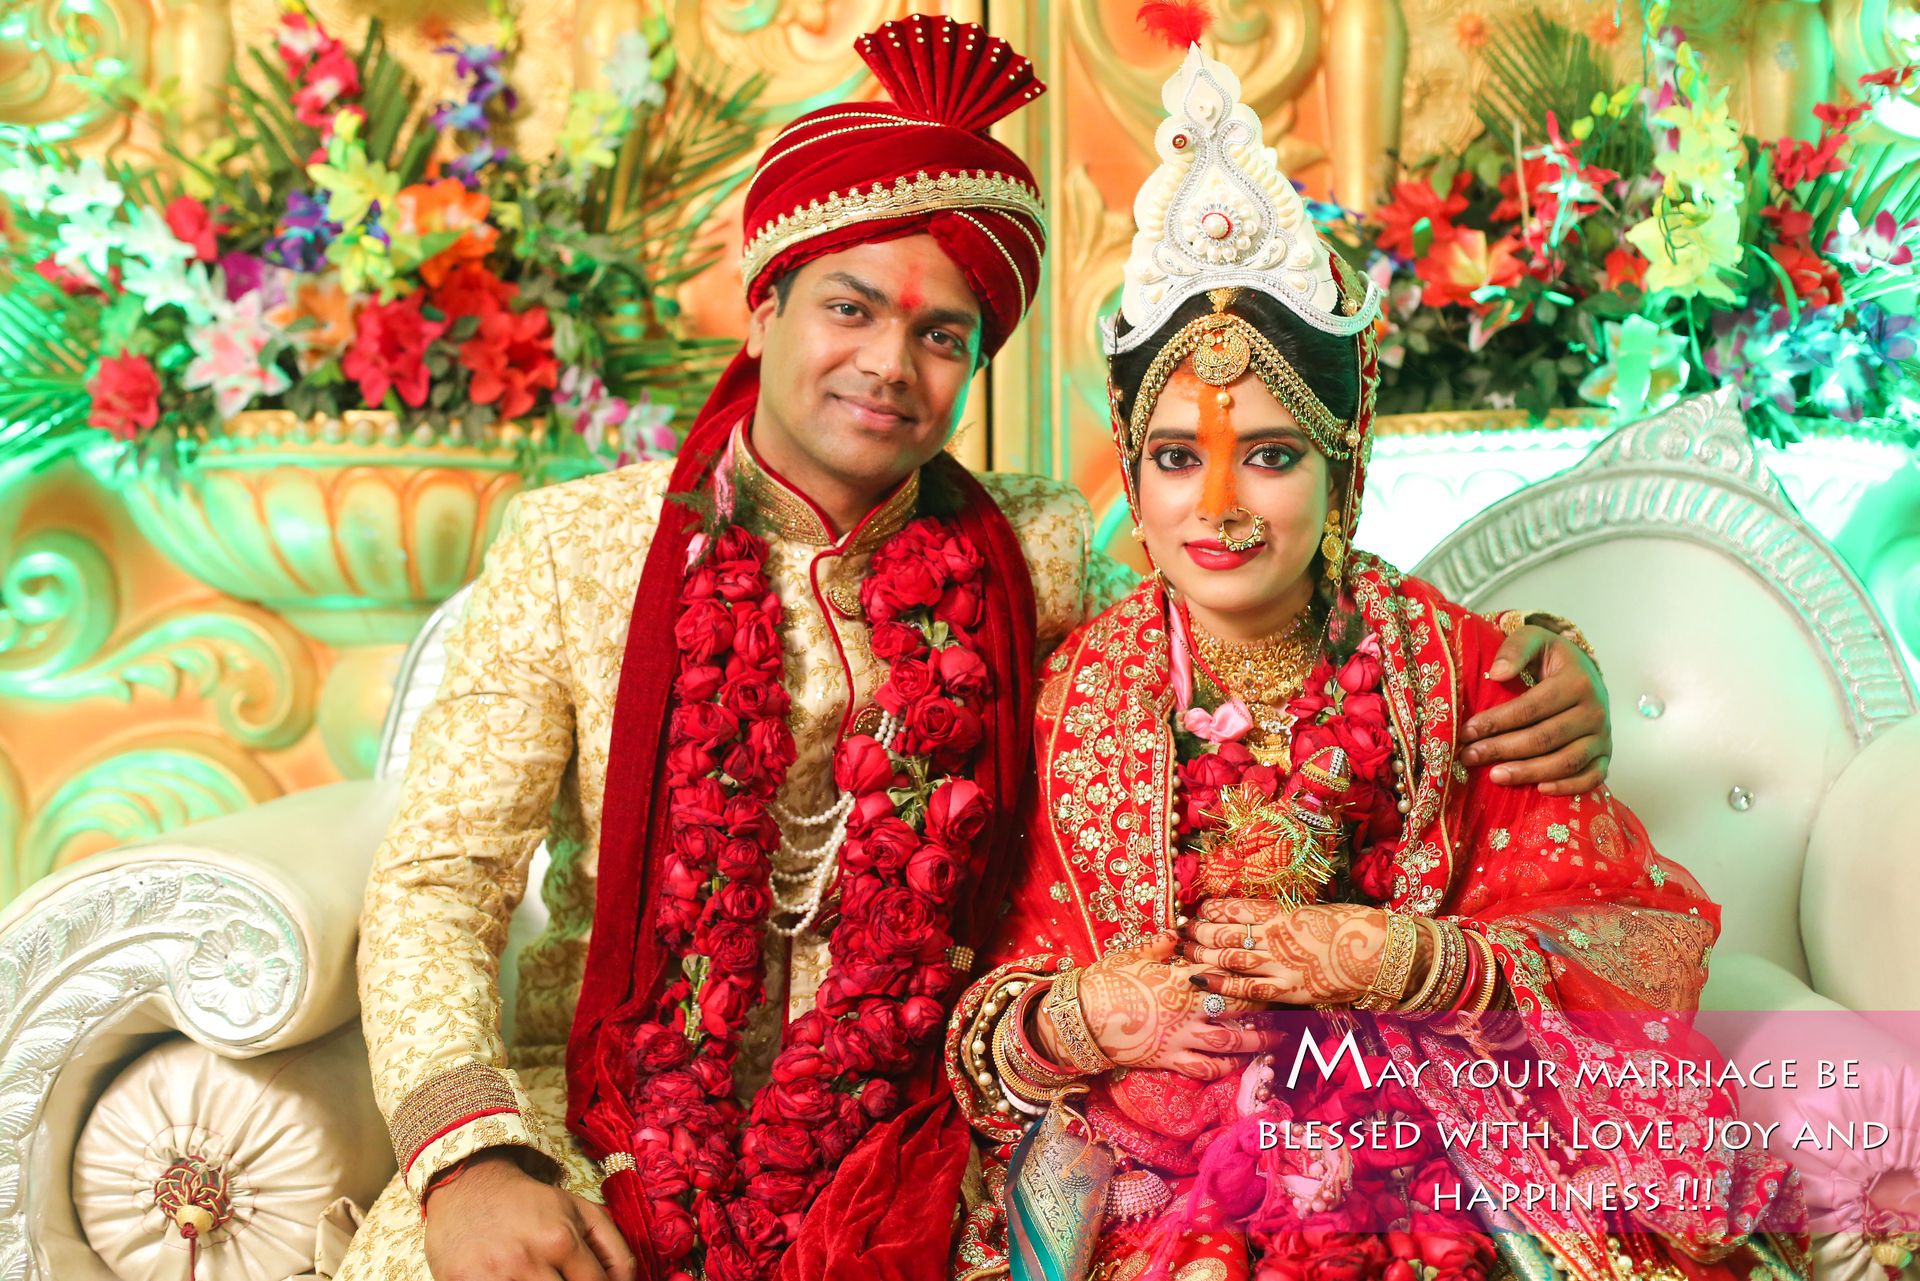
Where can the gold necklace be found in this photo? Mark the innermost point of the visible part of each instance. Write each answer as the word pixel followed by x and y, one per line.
pixel 1264 674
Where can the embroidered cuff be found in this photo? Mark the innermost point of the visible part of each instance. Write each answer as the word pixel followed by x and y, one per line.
pixel 458 1113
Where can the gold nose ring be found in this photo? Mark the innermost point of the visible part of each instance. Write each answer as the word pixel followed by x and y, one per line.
pixel 1256 534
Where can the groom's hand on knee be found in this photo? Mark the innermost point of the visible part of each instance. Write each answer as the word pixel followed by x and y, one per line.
pixel 492 1221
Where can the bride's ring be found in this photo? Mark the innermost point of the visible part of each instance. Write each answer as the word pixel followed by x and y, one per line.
pixel 1255 536
pixel 1215 1005
pixel 1249 941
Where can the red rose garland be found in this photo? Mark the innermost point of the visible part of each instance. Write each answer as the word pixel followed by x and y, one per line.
pixel 1340 705
pixel 908 844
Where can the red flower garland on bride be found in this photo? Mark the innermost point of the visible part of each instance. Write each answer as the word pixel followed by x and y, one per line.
pixel 1339 705
pixel 913 821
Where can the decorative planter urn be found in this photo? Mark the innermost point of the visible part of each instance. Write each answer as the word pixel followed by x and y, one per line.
pixel 350 528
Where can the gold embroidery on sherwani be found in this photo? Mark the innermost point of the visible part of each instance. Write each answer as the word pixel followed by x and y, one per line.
pixel 516 748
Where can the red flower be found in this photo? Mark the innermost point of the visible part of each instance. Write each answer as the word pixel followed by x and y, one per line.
pixel 957 813
pixel 862 765
pixel 891 641
pixel 1625 266
pixel 755 639
pixel 780 1147
pixel 707 724
pixel 1411 203
pixel 909 679
pixel 901 584
pixel 389 351
pixel 472 290
pixel 1816 282
pixel 965 673
pixel 510 358
pixel 937 726
pixel 889 844
pixel 880 1099
pixel 901 922
pixel 1796 162
pixel 935 872
pixel 329 78
pixel 70 283
pixel 1837 117
pixel 704 630
pixel 192 224
pixel 670 1228
pixel 1453 271
pixel 1791 223
pixel 1890 77
pixel 126 396
pixel 753 695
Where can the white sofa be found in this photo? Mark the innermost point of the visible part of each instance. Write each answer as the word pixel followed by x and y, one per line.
pixel 1763 724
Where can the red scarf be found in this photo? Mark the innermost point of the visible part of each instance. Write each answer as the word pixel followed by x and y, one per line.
pixel 895 1226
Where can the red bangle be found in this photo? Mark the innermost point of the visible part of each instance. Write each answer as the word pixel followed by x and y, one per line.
pixel 1468 985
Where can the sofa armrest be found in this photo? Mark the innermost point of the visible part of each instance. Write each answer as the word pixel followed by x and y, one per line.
pixel 1860 890
pixel 239 933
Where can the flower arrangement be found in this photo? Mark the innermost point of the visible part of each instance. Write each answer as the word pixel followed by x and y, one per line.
pixel 342 250
pixel 1624 245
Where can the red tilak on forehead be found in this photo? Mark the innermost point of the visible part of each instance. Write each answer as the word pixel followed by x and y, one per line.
pixel 910 296
pixel 1215 443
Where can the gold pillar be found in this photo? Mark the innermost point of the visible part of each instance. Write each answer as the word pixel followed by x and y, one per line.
pixel 1366 65
pixel 1789 69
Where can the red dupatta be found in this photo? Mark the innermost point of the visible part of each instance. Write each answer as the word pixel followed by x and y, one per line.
pixel 1602 941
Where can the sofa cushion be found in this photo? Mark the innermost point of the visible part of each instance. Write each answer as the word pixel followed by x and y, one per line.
pixel 286 1134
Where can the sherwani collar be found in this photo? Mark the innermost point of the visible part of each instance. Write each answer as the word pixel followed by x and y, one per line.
pixel 797 518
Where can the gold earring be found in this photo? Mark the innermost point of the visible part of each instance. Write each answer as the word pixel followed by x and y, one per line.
pixel 1333 546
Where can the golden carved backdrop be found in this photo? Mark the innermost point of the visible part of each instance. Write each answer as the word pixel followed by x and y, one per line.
pixel 132 698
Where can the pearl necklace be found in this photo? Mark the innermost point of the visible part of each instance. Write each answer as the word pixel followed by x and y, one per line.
pixel 800 887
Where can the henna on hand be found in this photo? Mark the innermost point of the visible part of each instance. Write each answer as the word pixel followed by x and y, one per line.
pixel 1319 954
pixel 1143 1013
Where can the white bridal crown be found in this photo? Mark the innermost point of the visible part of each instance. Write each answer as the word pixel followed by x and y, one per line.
pixel 1218 213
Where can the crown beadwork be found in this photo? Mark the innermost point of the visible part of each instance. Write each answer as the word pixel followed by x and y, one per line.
pixel 1219 213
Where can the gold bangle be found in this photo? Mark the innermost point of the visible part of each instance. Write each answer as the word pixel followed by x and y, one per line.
pixel 1444 974
pixel 1389 984
pixel 1069 1023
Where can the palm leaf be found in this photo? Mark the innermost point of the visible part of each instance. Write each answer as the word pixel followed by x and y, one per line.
pixel 1536 66
pixel 389 94
pixel 43 390
pixel 1878 178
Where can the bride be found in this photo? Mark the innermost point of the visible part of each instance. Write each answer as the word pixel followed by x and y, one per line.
pixel 1252 800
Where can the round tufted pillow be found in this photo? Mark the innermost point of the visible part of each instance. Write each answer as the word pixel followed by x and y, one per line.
pixel 273 1140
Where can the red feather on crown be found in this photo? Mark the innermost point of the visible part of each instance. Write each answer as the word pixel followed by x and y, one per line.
pixel 947 72
pixel 1179 24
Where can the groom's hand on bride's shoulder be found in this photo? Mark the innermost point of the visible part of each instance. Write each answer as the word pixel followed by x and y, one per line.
pixel 1557 735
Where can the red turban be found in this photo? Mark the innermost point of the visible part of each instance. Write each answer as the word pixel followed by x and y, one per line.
pixel 922 162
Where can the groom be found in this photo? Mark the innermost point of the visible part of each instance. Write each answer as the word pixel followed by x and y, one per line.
pixel 779 692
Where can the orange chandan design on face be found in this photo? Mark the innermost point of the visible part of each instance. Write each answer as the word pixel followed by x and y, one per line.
pixel 1215 444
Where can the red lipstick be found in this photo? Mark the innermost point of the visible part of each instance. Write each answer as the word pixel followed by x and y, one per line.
pixel 1213 554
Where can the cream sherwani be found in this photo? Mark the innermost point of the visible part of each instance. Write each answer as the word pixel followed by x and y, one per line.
pixel 514 750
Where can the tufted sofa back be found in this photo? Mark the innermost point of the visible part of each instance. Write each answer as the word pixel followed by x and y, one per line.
pixel 1746 664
